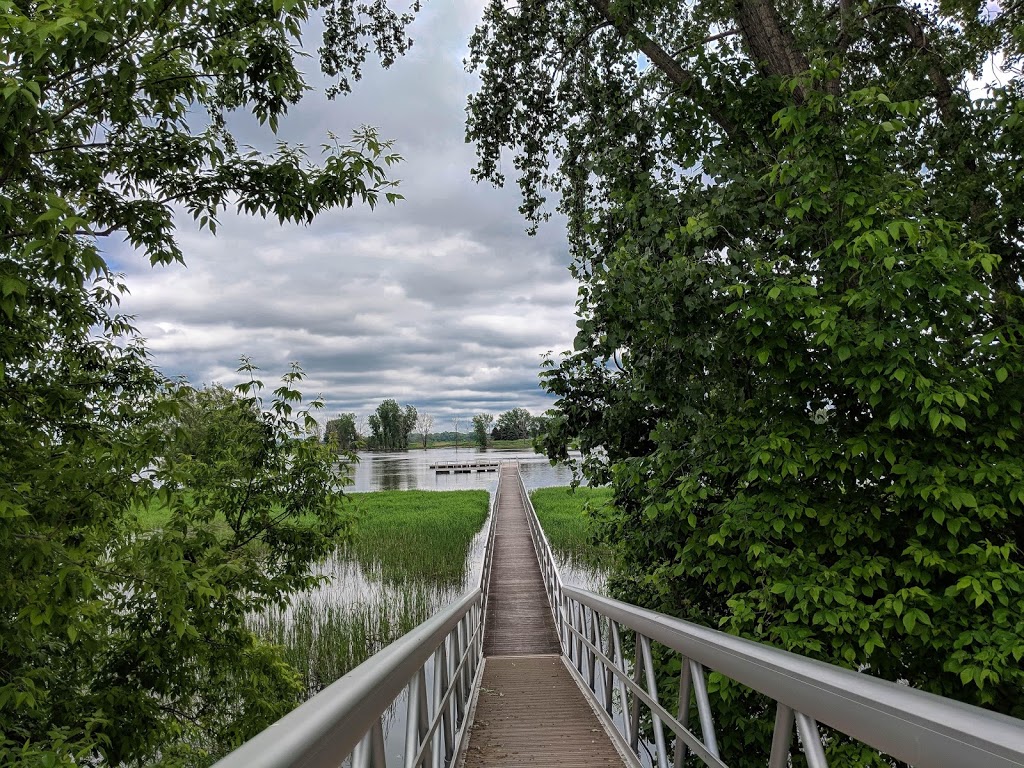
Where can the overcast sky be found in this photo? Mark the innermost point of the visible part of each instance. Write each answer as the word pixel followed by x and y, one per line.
pixel 441 301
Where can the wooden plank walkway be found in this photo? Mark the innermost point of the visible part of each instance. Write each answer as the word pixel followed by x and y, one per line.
pixel 518 617
pixel 529 711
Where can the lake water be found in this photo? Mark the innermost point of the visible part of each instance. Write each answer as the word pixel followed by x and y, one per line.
pixel 410 470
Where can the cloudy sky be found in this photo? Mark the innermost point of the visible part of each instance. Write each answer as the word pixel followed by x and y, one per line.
pixel 441 301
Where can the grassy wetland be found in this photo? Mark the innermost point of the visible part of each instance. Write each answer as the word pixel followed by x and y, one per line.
pixel 567 517
pixel 410 554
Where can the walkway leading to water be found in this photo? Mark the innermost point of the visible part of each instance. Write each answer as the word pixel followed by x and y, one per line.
pixel 529 710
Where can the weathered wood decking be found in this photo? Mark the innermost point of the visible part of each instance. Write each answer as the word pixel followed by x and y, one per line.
pixel 529 710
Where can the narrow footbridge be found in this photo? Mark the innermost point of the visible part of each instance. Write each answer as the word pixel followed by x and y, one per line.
pixel 525 670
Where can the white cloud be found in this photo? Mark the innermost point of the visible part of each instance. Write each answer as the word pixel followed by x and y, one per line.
pixel 440 301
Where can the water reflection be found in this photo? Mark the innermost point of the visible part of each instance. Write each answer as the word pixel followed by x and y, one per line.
pixel 409 470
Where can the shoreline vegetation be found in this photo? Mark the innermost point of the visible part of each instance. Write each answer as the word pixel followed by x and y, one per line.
pixel 522 444
pixel 467 443
pixel 406 556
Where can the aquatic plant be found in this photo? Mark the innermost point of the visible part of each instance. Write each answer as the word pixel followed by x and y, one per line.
pixel 568 518
pixel 410 554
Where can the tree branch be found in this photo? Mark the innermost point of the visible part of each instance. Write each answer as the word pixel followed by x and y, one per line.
pixel 709 39
pixel 672 69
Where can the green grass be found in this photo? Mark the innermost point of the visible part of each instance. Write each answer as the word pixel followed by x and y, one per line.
pixel 570 528
pixel 525 443
pixel 155 514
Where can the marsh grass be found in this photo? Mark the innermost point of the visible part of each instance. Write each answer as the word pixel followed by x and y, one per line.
pixel 409 556
pixel 414 536
pixel 568 518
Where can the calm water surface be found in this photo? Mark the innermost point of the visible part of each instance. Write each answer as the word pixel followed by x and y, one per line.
pixel 410 470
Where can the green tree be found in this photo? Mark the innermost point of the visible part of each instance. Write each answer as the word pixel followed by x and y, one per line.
pixel 391 426
pixel 539 424
pixel 341 432
pixel 513 425
pixel 409 418
pixel 482 429
pixel 797 235
pixel 119 647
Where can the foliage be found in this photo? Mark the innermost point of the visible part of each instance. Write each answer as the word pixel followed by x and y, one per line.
pixel 391 426
pixel 206 422
pixel 513 425
pixel 341 432
pixel 797 235
pixel 482 429
pixel 111 648
pixel 153 655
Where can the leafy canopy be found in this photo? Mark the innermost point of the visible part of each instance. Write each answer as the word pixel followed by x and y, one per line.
pixel 341 432
pixel 797 233
pixel 391 426
pixel 120 646
pixel 482 429
pixel 515 424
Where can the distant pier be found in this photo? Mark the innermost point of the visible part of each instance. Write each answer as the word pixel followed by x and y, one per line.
pixel 464 467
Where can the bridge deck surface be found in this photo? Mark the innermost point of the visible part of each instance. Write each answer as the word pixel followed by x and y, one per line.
pixel 529 710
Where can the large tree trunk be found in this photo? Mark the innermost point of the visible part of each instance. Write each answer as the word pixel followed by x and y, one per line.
pixel 770 41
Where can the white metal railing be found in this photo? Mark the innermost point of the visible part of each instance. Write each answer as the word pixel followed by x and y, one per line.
pixel 438 665
pixel 913 726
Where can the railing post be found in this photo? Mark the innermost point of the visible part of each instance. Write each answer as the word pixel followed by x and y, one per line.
pixel 782 737
pixel 608 677
pixel 588 655
pixel 652 690
pixel 563 622
pixel 683 716
pixel 810 739
pixel 577 622
pixel 462 658
pixel 634 711
pixel 448 718
pixel 620 662
pixel 378 753
pixel 440 671
pixel 707 723
pixel 416 718
pixel 361 754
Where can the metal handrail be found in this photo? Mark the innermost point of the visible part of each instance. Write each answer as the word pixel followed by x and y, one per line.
pixel 919 728
pixel 346 719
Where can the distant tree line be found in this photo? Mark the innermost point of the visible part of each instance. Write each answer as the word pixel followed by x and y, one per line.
pixel 392 427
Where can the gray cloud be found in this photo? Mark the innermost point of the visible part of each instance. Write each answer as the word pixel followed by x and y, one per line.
pixel 440 301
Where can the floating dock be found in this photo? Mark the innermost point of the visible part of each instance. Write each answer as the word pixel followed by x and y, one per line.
pixel 464 467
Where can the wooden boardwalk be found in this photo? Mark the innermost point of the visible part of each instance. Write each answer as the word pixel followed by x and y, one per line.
pixel 529 711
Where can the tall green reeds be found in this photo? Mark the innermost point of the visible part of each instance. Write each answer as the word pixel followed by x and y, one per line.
pixel 417 535
pixel 410 555
pixel 568 518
